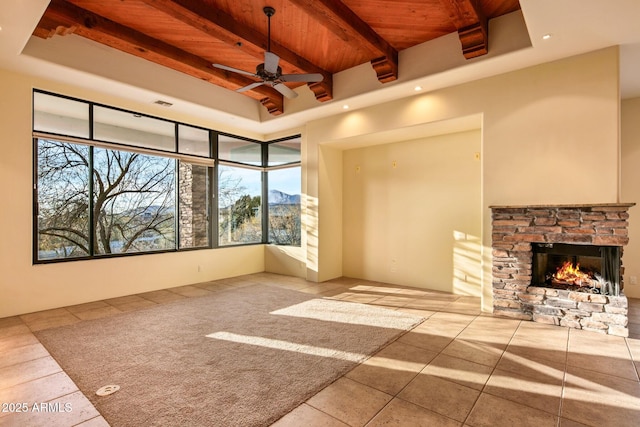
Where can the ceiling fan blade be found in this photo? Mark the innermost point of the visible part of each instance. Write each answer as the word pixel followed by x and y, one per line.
pixel 271 62
pixel 309 78
pixel 235 70
pixel 249 87
pixel 285 90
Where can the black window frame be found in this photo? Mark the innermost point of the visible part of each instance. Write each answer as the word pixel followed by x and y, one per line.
pixel 212 176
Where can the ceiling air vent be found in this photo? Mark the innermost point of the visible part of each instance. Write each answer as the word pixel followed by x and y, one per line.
pixel 163 103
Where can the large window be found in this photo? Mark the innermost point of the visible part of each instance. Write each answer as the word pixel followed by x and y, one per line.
pixel 284 206
pixel 239 205
pixel 114 182
pixel 133 202
pixel 62 200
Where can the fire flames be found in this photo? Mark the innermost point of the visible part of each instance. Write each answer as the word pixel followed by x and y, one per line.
pixel 572 275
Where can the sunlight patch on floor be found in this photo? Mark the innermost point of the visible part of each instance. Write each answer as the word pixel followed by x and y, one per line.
pixel 349 313
pixel 288 346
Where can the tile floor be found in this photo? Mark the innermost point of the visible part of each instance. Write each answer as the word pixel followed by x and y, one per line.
pixel 458 368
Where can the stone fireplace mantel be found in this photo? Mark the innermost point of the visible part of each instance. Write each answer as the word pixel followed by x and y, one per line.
pixel 516 228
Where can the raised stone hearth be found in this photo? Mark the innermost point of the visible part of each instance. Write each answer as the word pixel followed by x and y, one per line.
pixel 516 228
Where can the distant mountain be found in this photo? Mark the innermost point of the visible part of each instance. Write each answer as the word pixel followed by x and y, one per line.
pixel 279 198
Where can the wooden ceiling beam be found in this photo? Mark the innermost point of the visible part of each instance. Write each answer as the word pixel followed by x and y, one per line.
pixel 472 26
pixel 342 21
pixel 224 27
pixel 62 17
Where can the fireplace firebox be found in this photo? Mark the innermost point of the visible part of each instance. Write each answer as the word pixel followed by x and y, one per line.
pixel 583 268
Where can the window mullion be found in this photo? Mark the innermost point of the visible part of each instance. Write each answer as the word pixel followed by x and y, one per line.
pixel 92 224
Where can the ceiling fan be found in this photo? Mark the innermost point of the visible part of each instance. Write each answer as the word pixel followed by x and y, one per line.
pixel 269 72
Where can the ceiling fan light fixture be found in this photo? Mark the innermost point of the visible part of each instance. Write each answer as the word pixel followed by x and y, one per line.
pixel 269 73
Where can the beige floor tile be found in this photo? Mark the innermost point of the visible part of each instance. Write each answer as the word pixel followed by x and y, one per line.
pixel 619 367
pixel 538 349
pixel 413 292
pixel 441 296
pixel 587 342
pixel 394 301
pixel 308 416
pixel 86 307
pixel 427 304
pixel 349 401
pixel 564 422
pixel 549 332
pixel 444 397
pixel 41 389
pixel 543 393
pixel 6 322
pixel 463 307
pixel 9 331
pixel 593 398
pixel 423 313
pixel 392 368
pixel 439 327
pixel 544 370
pixel 399 413
pixel 634 348
pixel 28 371
pixel 130 303
pixel 22 354
pixel 450 319
pixel 333 293
pixel 17 340
pixel 296 286
pixel 487 322
pixel 94 422
pixel 49 319
pixel 324 287
pixel 492 411
pixel 53 322
pixel 346 281
pixel 43 315
pixel 128 299
pixel 463 372
pixel 362 298
pixel 190 291
pixel 481 353
pixel 161 296
pixel 495 338
pixel 425 340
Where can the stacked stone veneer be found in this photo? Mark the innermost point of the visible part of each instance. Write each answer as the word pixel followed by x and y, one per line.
pixel 515 228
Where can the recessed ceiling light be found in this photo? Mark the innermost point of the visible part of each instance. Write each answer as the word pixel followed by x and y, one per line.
pixel 417 88
pixel 546 37
pixel 345 107
pixel 163 103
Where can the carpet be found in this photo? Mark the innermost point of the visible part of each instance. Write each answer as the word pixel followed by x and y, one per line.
pixel 240 357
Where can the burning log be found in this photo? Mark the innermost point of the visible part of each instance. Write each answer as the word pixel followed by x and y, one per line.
pixel 571 275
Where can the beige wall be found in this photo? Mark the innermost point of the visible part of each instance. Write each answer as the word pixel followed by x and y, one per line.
pixel 549 135
pixel 533 121
pixel 25 287
pixel 412 213
pixel 631 191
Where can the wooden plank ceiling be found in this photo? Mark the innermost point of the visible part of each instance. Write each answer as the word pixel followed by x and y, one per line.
pixel 309 36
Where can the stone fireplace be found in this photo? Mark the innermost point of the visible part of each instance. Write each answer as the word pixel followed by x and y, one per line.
pixel 561 265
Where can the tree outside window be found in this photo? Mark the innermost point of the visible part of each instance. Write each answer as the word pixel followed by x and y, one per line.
pixel 133 201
